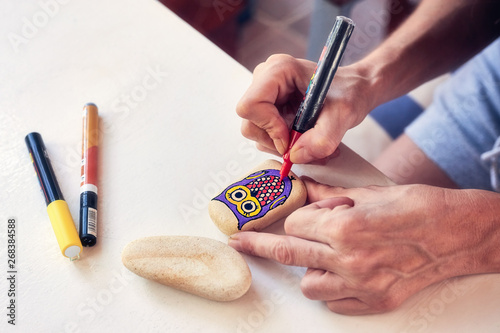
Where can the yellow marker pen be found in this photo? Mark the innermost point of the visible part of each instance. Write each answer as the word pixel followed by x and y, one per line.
pixel 57 208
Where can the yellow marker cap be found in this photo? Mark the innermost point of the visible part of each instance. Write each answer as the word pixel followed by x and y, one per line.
pixel 64 228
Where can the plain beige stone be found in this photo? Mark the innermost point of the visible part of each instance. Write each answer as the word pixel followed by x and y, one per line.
pixel 230 222
pixel 197 265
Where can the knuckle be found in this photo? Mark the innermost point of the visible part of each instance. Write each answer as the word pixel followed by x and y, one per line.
pixel 246 130
pixel 273 61
pixel 354 222
pixel 249 247
pixel 279 59
pixel 272 126
pixel 387 304
pixel 268 123
pixel 354 265
pixel 259 68
pixel 354 260
pixel 326 144
pixel 291 222
pixel 306 288
pixel 243 108
pixel 374 188
pixel 282 252
pixel 340 232
pixel 333 307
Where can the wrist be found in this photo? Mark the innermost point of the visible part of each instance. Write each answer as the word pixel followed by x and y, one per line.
pixel 379 78
pixel 486 224
pixel 374 84
pixel 475 225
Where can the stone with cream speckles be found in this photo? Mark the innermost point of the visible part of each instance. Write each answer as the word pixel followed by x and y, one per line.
pixel 197 265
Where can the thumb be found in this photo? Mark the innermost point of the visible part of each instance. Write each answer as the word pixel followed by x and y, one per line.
pixel 317 143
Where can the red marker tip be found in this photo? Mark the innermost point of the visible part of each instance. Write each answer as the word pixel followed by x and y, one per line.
pixel 287 164
pixel 285 169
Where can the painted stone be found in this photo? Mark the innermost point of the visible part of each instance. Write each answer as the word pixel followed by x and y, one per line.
pixel 257 199
pixel 197 265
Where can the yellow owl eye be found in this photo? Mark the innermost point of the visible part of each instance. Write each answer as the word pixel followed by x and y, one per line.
pixel 248 206
pixel 238 195
pixel 245 203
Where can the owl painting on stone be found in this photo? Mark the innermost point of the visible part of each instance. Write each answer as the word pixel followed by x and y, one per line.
pixel 257 194
pixel 257 200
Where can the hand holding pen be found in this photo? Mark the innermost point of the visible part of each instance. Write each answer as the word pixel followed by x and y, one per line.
pixel 270 104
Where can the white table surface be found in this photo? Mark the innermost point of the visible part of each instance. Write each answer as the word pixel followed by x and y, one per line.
pixel 170 140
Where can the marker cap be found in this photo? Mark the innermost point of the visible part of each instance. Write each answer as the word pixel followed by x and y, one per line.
pixel 64 229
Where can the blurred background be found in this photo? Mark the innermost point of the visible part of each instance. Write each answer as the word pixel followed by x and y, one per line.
pixel 252 30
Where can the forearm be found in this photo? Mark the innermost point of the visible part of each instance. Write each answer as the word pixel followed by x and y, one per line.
pixel 440 36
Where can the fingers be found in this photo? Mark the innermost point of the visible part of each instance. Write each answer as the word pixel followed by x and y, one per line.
pixel 321 220
pixel 275 82
pixel 267 124
pixel 286 250
pixel 319 282
pixel 267 150
pixel 327 286
pixel 350 306
pixel 263 141
pixel 321 285
pixel 257 134
pixel 317 221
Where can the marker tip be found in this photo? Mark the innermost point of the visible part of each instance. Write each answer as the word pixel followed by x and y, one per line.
pixel 285 169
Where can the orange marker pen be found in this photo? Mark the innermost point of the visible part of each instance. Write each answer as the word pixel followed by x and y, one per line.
pixel 88 184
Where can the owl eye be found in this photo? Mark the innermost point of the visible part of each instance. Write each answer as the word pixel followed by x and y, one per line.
pixel 238 195
pixel 249 206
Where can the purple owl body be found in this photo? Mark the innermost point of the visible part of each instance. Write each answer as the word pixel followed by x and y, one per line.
pixel 257 194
